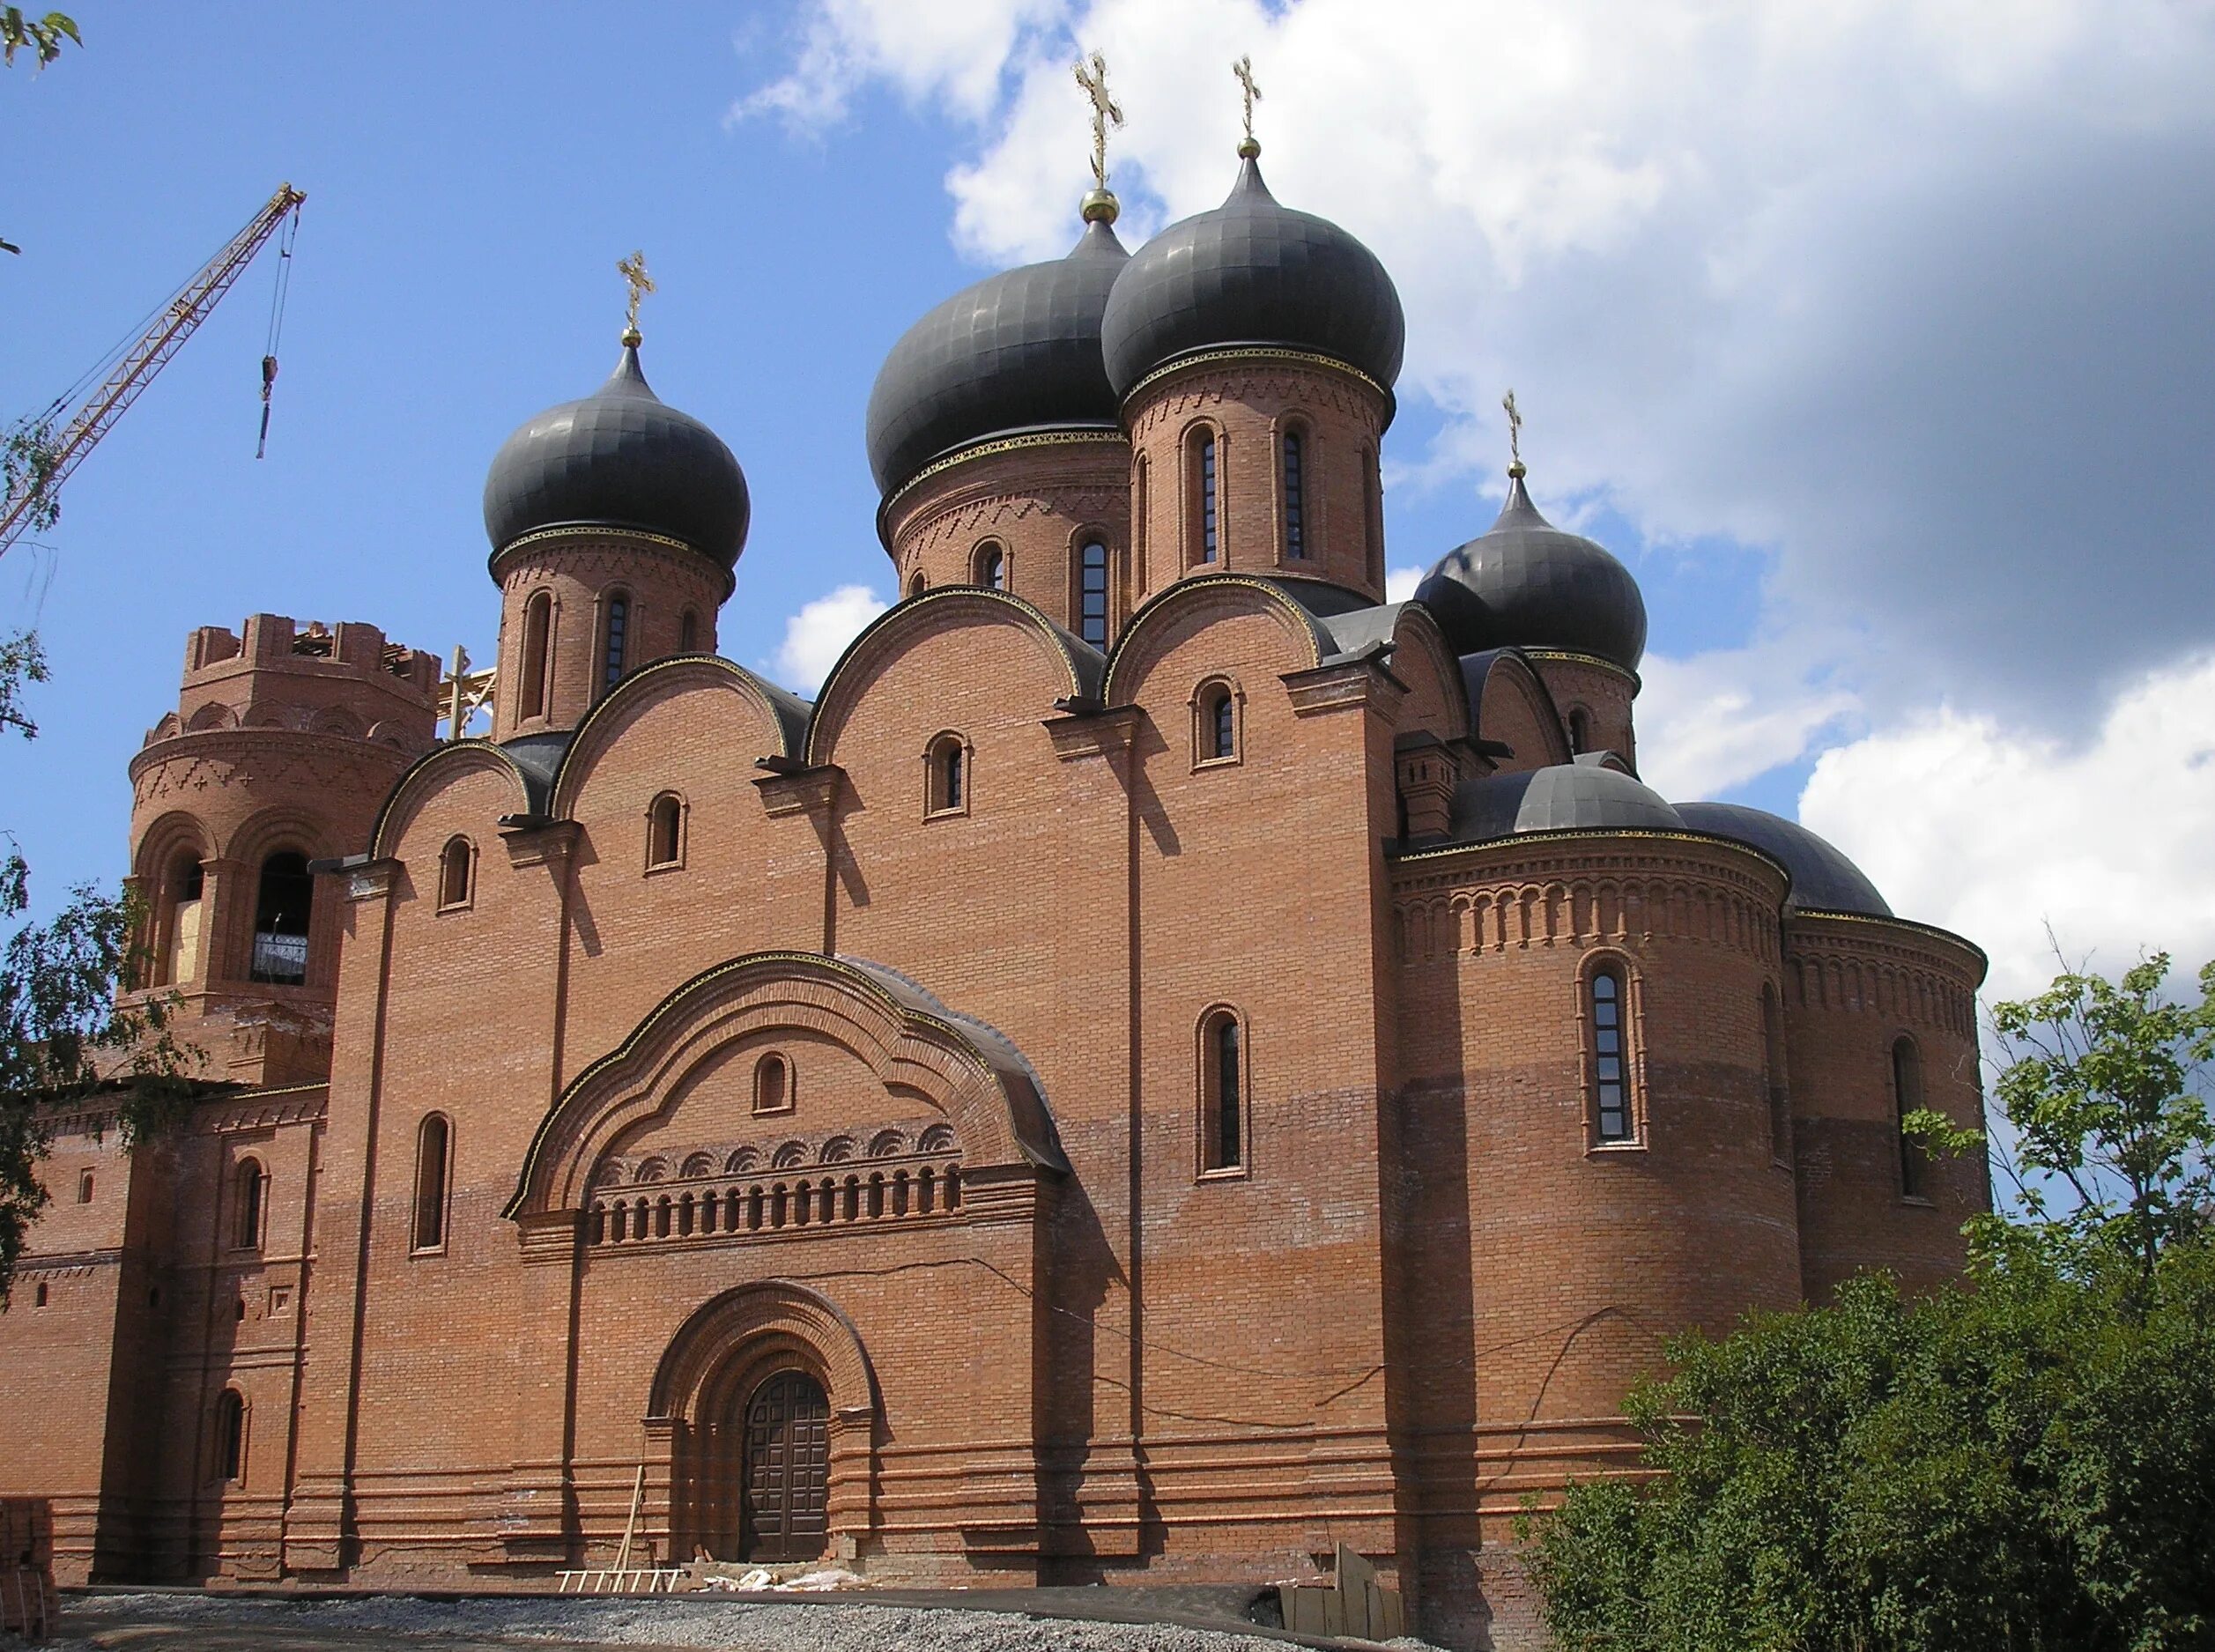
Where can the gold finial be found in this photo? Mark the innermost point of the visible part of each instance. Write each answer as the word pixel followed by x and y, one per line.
pixel 1099 206
pixel 1250 93
pixel 633 270
pixel 1515 436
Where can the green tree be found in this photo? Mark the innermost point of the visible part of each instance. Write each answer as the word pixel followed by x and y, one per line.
pixel 42 37
pixel 2025 1461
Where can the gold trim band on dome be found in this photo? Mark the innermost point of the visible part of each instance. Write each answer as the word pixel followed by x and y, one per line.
pixel 586 530
pixel 1577 657
pixel 1266 353
pixel 986 449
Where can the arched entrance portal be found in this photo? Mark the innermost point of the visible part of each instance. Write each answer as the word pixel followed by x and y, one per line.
pixel 786 1469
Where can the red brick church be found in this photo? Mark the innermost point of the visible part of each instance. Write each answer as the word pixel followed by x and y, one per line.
pixel 1169 1063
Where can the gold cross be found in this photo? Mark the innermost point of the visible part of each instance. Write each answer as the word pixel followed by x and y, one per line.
pixel 633 270
pixel 1105 112
pixel 1251 92
pixel 1515 432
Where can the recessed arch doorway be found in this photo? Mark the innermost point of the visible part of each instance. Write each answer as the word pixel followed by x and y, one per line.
pixel 760 1468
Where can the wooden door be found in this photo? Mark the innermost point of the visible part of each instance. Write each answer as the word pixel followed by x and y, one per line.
pixel 788 1469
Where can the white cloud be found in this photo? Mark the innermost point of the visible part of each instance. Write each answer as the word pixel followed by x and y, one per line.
pixel 1908 293
pixel 818 635
pixel 1400 583
pixel 1997 831
pixel 1716 721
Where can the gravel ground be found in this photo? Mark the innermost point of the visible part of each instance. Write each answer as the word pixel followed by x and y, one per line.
pixel 114 1620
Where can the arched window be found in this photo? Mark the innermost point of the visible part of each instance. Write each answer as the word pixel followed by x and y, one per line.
pixel 772 1085
pixel 1215 729
pixel 433 1149
pixel 187 880
pixel 615 636
pixel 1906 1097
pixel 84 1187
pixel 40 1299
pixel 1092 593
pixel 1206 513
pixel 537 646
pixel 1295 499
pixel 249 1194
pixel 665 831
pixel 1372 513
pixel 1773 1074
pixel 281 911
pixel 917 584
pixel 229 1436
pixel 1580 729
pixel 457 866
pixel 990 567
pixel 947 777
pixel 1222 1094
pixel 1611 1120
pixel 688 632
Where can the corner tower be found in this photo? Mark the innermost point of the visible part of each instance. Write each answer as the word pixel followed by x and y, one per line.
pixel 283 747
pixel 616 523
pixel 1254 350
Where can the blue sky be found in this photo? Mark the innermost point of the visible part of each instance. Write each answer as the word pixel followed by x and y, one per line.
pixel 807 178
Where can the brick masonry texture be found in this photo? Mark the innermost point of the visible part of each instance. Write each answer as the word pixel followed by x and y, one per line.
pixel 822 1064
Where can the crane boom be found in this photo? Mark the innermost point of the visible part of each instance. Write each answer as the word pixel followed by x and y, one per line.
pixel 100 411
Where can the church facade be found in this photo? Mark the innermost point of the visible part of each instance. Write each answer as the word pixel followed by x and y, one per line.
pixel 1169 1063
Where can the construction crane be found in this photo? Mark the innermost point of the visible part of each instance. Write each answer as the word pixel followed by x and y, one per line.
pixel 38 465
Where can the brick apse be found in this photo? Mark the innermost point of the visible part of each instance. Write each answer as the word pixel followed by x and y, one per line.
pixel 1170 1062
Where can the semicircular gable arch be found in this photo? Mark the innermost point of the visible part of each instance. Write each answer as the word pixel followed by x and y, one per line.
pixel 1420 647
pixel 1075 665
pixel 785 715
pixel 961 1068
pixel 1161 621
pixel 768 1309
pixel 164 839
pixel 1507 697
pixel 423 778
pixel 284 827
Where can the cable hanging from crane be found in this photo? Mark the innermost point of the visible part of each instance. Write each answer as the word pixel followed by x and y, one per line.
pixel 279 291
pixel 34 462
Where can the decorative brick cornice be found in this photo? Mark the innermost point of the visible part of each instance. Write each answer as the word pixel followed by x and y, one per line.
pixel 811 791
pixel 548 844
pixel 1029 441
pixel 1251 357
pixel 1888 967
pixel 622 547
pixel 265 1109
pixel 1094 734
pixel 260 753
pixel 1339 686
pixel 373 881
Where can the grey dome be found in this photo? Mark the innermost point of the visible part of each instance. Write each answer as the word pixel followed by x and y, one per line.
pixel 619 458
pixel 1253 272
pixel 1822 877
pixel 1525 583
pixel 1018 350
pixel 1568 798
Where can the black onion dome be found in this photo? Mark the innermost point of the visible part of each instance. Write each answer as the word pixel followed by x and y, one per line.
pixel 619 458
pixel 1525 583
pixel 1018 350
pixel 1822 877
pixel 1253 272
pixel 1566 797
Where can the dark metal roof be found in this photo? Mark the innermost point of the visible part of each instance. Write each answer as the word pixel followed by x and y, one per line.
pixel 621 458
pixel 1822 877
pixel 539 757
pixel 1253 272
pixel 1568 798
pixel 1526 583
pixel 1018 350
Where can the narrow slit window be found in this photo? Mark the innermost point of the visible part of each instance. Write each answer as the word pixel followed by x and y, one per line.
pixel 917 584
pixel 665 831
pixel 1218 725
pixel 537 639
pixel 1611 1082
pixel 230 1434
pixel 1907 1096
pixel 948 776
pixel 1295 502
pixel 771 1083
pixel 1772 1066
pixel 1580 730
pixel 84 1187
pixel 617 628
pixel 992 568
pixel 455 865
pixel 688 632
pixel 1092 593
pixel 250 1186
pixel 1223 1115
pixel 1209 516
pixel 433 1146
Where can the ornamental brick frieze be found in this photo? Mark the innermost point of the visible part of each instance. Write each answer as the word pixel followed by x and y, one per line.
pixel 198 758
pixel 593 558
pixel 1569 894
pixel 265 1110
pixel 1882 967
pixel 958 521
pixel 1213 383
